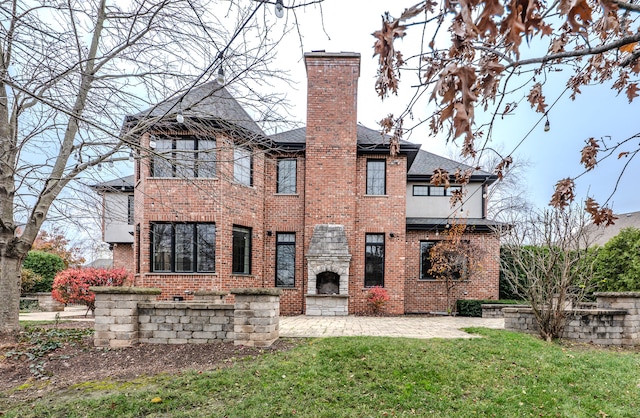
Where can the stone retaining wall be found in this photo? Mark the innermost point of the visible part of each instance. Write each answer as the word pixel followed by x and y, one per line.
pixel 615 320
pixel 494 310
pixel 127 316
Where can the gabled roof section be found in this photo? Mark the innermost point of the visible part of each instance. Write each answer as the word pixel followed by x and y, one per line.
pixel 369 140
pixel 209 101
pixel 122 184
pixel 426 162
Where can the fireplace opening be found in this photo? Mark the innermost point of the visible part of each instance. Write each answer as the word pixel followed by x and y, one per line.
pixel 328 283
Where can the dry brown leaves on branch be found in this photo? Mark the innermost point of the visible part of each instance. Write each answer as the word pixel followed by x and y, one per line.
pixel 564 193
pixel 440 177
pixel 589 154
pixel 600 216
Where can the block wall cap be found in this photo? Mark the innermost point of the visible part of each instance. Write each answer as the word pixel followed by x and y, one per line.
pixel 126 290
pixel 210 293
pixel 618 294
pixel 267 291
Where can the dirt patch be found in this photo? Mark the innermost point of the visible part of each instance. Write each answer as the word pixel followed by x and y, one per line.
pixel 79 361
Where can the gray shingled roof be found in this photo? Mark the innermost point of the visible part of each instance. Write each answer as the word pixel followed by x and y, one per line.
pixel 208 101
pixel 602 235
pixel 426 162
pixel 366 137
pixel 116 184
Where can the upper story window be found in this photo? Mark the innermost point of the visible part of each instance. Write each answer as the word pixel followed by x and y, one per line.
pixel 242 166
pixel 241 250
pixel 183 247
pixel 424 190
pixel 285 259
pixel 287 176
pixel 184 157
pixel 374 260
pixel 376 177
pixel 130 206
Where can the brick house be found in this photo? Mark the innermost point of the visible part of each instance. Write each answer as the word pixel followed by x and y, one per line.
pixel 323 212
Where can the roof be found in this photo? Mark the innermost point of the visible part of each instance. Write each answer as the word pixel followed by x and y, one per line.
pixel 365 137
pixel 439 224
pixel 116 185
pixel 625 220
pixel 208 101
pixel 426 162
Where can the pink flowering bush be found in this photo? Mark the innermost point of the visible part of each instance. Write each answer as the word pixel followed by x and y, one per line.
pixel 72 285
pixel 378 298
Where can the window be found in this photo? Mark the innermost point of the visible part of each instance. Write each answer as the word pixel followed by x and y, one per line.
pixel 242 166
pixel 130 205
pixel 285 259
pixel 456 260
pixel 423 190
pixel 374 260
pixel 184 157
pixel 376 177
pixel 241 250
pixel 287 176
pixel 184 247
pixel 425 260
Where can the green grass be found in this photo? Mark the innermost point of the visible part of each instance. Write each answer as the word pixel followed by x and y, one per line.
pixel 504 374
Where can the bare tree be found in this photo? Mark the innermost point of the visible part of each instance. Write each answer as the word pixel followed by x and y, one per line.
pixel 547 261
pixel 69 73
pixel 489 55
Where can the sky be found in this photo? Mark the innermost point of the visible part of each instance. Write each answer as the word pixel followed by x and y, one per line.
pixel 598 112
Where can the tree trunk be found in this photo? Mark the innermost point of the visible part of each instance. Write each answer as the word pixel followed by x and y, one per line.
pixel 9 294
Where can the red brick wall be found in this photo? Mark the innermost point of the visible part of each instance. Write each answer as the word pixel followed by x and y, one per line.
pixel 219 200
pixel 123 257
pixel 285 213
pixel 423 296
pixel 381 214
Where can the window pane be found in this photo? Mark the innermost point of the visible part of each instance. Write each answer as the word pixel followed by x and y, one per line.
pixel 437 190
pixel 130 210
pixel 425 260
pixel 206 158
pixel 374 260
pixel 206 247
pixel 184 157
pixel 242 166
pixel 241 250
pixel 421 190
pixel 162 160
pixel 287 176
pixel 161 247
pixel 184 247
pixel 285 260
pixel 376 177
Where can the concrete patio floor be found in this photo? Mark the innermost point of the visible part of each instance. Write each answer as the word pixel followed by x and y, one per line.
pixel 399 326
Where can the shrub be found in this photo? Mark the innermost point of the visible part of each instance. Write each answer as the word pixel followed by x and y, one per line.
pixel 378 298
pixel 617 265
pixel 28 281
pixel 45 265
pixel 72 285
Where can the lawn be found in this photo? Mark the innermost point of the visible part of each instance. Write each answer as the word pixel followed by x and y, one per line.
pixel 504 374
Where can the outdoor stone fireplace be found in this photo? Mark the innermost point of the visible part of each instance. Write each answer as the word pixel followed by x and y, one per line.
pixel 328 272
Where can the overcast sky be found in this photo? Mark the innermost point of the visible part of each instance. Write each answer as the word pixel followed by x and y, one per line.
pixel 554 155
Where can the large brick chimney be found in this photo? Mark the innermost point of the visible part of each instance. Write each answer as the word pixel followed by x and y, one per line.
pixel 330 177
pixel 331 137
